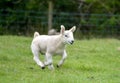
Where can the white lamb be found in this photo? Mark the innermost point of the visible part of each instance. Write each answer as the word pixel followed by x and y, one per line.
pixel 51 45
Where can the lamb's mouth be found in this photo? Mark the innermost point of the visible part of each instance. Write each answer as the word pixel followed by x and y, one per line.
pixel 71 42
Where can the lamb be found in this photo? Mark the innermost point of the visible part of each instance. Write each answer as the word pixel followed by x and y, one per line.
pixel 51 45
pixel 52 32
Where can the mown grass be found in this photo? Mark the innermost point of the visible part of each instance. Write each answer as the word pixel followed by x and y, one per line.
pixel 89 61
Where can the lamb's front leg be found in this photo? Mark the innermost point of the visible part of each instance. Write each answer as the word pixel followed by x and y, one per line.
pixel 48 61
pixel 64 56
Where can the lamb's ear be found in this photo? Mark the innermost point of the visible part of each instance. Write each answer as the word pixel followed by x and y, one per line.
pixel 73 28
pixel 62 29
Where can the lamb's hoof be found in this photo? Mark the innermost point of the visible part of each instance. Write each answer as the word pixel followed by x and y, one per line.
pixel 58 66
pixel 43 67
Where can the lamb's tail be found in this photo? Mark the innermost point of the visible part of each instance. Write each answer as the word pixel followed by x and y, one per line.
pixel 36 34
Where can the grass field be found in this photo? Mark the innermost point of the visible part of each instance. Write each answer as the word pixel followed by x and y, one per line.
pixel 89 61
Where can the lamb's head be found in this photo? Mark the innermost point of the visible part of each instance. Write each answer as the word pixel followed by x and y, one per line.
pixel 67 35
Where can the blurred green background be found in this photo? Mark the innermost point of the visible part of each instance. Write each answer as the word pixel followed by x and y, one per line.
pixel 93 18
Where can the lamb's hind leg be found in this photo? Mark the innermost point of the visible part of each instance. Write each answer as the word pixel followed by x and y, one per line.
pixel 36 57
pixel 64 56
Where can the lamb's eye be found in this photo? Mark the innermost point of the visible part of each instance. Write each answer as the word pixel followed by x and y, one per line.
pixel 66 36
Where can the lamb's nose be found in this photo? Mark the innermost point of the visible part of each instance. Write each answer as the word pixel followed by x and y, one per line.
pixel 72 41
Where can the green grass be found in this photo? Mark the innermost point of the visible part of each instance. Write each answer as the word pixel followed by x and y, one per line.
pixel 89 61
